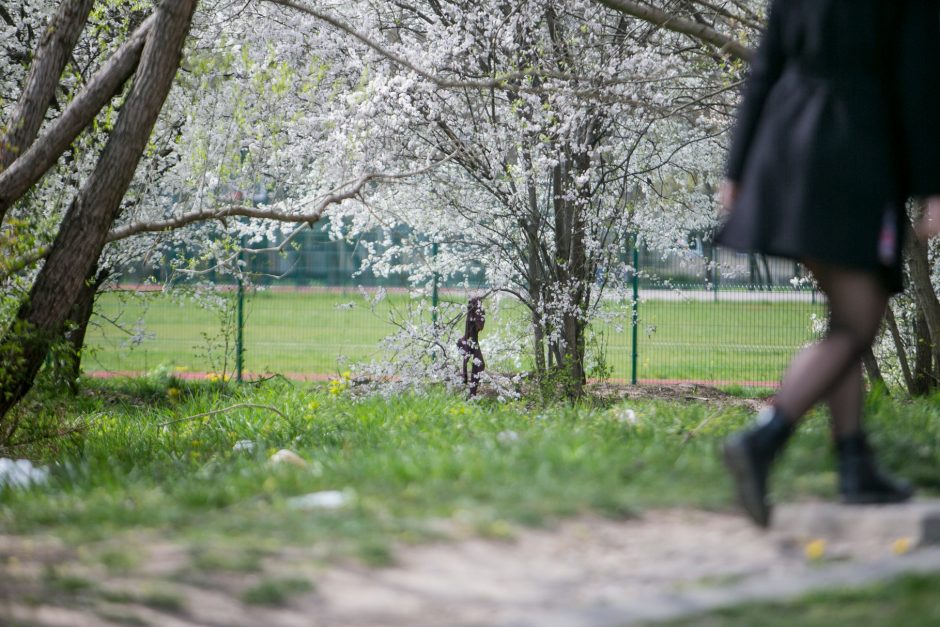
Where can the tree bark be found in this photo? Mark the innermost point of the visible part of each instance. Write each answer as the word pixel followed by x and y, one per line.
pixel 41 155
pixel 69 366
pixel 85 227
pixel 872 368
pixel 49 60
pixel 901 350
pixel 925 297
pixel 923 359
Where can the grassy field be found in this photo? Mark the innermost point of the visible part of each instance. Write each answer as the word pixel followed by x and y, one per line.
pixel 319 333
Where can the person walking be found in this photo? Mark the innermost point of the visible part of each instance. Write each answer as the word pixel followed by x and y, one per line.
pixel 839 125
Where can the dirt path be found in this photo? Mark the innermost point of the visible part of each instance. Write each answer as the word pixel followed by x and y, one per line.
pixel 588 572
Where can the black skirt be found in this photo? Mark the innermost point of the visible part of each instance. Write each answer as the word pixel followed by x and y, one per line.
pixel 837 127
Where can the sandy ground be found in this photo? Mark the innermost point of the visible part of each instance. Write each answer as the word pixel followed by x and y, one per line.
pixel 586 572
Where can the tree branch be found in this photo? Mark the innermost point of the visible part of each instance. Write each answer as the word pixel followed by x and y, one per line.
pixel 266 213
pixel 681 25
pixel 13 266
pixel 512 80
pixel 52 53
pixel 42 155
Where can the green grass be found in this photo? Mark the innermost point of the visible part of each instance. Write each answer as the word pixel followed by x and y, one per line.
pixel 275 591
pixel 402 461
pixel 406 464
pixel 723 341
pixel 284 332
pixel 909 600
pixel 317 333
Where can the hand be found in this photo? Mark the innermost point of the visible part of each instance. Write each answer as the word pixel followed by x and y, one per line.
pixel 727 196
pixel 929 224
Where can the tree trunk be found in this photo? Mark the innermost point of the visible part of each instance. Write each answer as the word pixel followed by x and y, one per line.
pixel 925 298
pixel 901 350
pixel 922 372
pixel 53 52
pixel 69 367
pixel 534 278
pixel 871 367
pixel 85 227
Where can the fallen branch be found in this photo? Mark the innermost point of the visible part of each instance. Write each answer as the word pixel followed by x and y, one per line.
pixel 223 410
pixel 44 437
pixel 698 428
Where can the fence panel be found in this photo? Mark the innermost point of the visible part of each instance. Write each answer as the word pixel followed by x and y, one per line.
pixel 715 317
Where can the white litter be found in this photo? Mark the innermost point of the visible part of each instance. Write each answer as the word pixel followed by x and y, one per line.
pixel 627 416
pixel 20 473
pixel 244 445
pixel 285 456
pixel 327 499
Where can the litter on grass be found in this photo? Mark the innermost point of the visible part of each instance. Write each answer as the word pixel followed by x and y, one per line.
pixel 327 499
pixel 285 456
pixel 627 416
pixel 20 473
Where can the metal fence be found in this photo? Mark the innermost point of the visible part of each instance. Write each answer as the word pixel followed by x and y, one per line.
pixel 713 317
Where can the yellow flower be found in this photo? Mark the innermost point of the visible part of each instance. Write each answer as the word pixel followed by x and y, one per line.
pixel 815 549
pixel 346 375
pixel 337 386
pixel 313 405
pixel 901 546
pixel 173 392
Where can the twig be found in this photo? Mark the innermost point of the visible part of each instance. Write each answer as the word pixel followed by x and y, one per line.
pixel 47 436
pixel 276 375
pixel 694 432
pixel 225 409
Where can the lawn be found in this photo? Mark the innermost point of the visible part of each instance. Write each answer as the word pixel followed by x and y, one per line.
pixel 405 459
pixel 146 461
pixel 320 333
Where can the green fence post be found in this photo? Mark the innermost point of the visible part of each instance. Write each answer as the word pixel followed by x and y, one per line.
pixel 715 275
pixel 434 285
pixel 239 330
pixel 636 310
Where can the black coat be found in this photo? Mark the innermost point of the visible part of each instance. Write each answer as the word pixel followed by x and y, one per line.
pixel 839 124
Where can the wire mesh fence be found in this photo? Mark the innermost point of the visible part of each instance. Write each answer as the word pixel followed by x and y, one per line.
pixel 713 317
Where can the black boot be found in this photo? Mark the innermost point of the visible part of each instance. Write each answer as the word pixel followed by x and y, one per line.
pixel 749 455
pixel 860 479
